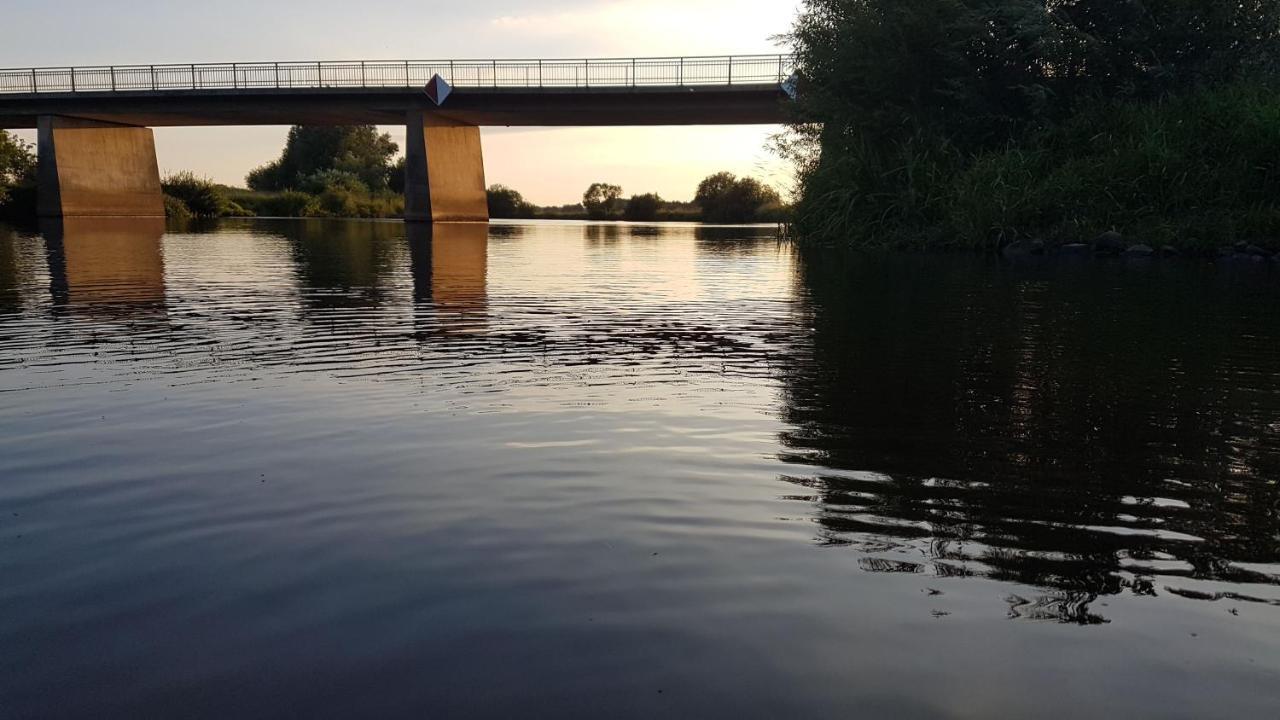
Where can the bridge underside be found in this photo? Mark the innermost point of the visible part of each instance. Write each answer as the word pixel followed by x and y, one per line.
pixel 97 154
pixel 546 107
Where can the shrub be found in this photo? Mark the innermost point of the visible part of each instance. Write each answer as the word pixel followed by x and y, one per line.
pixel 175 208
pixel 289 203
pixel 201 196
pixel 321 181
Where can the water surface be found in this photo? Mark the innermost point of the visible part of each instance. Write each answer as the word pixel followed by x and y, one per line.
pixel 335 469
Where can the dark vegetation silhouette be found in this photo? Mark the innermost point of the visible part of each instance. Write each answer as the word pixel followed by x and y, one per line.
pixel 507 203
pixel 972 123
pixel 643 208
pixel 725 198
pixel 600 200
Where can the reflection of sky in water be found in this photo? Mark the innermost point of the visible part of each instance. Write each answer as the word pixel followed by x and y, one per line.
pixel 347 468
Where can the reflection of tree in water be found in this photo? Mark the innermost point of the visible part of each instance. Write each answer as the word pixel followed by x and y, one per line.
pixel 344 265
pixel 604 233
pixel 10 273
pixel 1081 432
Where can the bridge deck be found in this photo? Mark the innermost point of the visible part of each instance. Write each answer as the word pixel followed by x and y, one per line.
pixel 636 91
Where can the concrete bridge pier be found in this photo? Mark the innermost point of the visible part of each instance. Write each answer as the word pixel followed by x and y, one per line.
pixel 89 168
pixel 444 171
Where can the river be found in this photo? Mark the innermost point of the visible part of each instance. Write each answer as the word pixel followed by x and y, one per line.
pixel 335 469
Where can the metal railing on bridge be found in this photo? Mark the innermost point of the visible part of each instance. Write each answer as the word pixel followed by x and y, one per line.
pixel 583 73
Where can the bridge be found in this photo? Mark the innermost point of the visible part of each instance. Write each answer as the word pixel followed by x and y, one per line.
pixel 97 152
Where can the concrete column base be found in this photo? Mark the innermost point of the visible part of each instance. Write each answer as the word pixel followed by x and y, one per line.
pixel 96 169
pixel 444 172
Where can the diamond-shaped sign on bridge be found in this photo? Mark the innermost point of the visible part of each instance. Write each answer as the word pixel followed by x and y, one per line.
pixel 438 89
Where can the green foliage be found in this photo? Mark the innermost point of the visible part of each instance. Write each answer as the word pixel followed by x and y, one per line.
pixel 321 181
pixel 175 208
pixel 17 164
pixel 726 198
pixel 643 208
pixel 975 121
pixel 358 150
pixel 507 203
pixel 289 203
pixel 202 197
pixel 600 199
pixel 395 177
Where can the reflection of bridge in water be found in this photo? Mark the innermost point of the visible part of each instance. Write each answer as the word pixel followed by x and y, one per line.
pixel 116 267
pixel 106 265
pixel 97 153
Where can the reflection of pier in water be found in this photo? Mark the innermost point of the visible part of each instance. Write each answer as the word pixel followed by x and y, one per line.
pixel 106 266
pixel 449 264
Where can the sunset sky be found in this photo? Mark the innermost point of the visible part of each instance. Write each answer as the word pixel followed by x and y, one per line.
pixel 549 166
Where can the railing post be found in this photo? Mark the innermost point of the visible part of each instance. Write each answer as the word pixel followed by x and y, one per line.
pixel 113 77
pixel 495 73
pixel 780 66
pixel 450 72
pixel 539 72
pixel 73 79
pixel 406 73
pixel 34 88
pixel 633 72
pixel 153 78
pixel 277 68
pixel 730 69
pixel 319 75
pixel 195 83
pixel 363 82
pixel 586 71
pixel 235 81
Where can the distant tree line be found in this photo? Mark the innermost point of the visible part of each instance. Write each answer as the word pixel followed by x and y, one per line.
pixel 349 172
pixel 720 198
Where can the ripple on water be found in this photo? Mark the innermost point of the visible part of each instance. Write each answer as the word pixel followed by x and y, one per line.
pixel 306 465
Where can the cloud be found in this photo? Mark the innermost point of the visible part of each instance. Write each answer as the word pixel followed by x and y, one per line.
pixel 638 27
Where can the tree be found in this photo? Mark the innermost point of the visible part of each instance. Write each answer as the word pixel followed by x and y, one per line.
pixel 725 198
pixel 17 163
pixel 507 203
pixel 599 200
pixel 359 150
pixel 976 73
pixel 898 98
pixel 643 207
pixel 395 176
